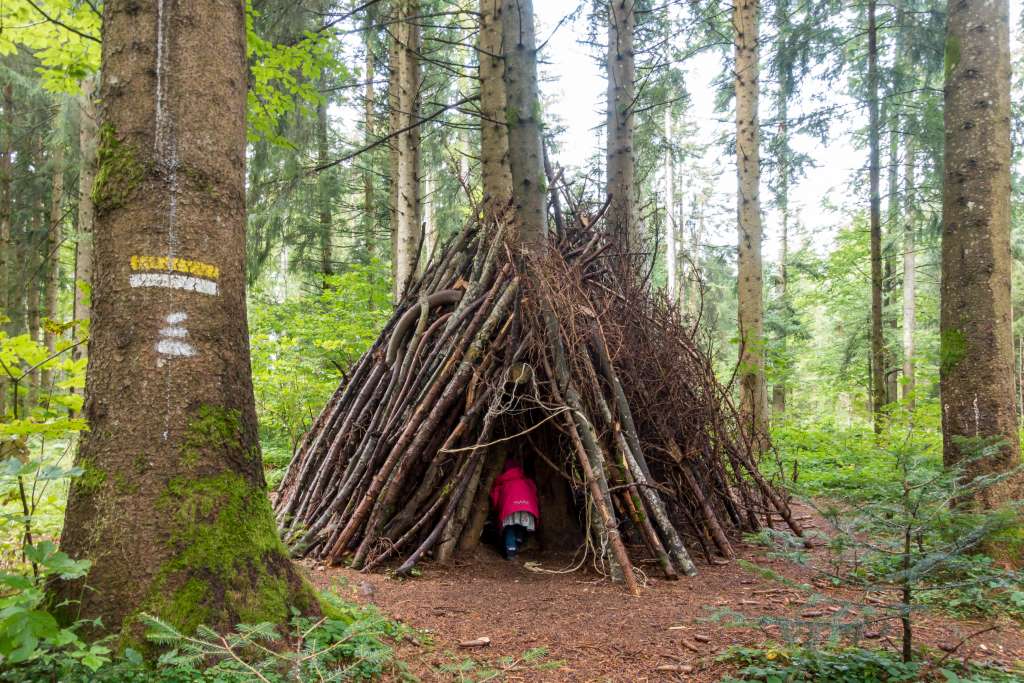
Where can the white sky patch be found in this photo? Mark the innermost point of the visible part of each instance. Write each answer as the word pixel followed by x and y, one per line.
pixel 174 281
pixel 822 201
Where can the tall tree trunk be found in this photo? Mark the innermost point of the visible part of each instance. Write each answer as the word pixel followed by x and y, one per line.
pixel 976 370
pixel 494 153
pixel 753 397
pixel 622 214
pixel 404 98
pixel 429 222
pixel 782 200
pixel 877 340
pixel 172 507
pixel 909 277
pixel 670 218
pixel 323 190
pixel 369 135
pixel 54 238
pixel 6 215
pixel 526 158
pixel 889 280
pixel 88 137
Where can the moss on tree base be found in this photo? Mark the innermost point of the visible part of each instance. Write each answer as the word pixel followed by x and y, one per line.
pixel 227 565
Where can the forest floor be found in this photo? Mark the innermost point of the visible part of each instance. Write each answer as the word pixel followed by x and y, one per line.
pixel 579 627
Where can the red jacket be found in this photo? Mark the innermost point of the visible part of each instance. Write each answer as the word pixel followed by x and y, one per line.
pixel 513 492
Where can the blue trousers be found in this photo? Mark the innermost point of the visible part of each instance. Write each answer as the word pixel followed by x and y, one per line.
pixel 514 536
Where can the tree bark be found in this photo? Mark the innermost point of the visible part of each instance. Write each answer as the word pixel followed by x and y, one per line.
pixel 88 138
pixel 323 190
pixel 621 216
pixel 878 393
pixel 976 368
pixel 6 198
pixel 526 159
pixel 369 132
pixel 494 153
pixel 670 218
pixel 54 238
pixel 909 277
pixel 404 99
pixel 172 507
pixel 753 397
pixel 889 280
pixel 779 386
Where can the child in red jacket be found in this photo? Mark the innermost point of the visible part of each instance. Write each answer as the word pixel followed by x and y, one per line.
pixel 514 497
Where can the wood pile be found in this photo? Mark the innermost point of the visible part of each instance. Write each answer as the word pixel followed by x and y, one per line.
pixel 569 349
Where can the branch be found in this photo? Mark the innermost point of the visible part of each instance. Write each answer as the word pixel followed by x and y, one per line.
pixel 61 23
pixel 389 136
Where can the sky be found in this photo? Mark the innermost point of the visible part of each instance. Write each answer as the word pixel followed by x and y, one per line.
pixel 574 89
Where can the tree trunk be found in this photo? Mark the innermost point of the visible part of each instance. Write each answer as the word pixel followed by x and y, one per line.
pixel 369 132
pixel 172 507
pixel 779 386
pixel 403 99
pixel 494 152
pixel 889 280
pixel 976 369
pixel 877 340
pixel 670 218
pixel 323 191
pixel 622 214
pixel 54 237
pixel 87 139
pixel 909 277
pixel 526 158
pixel 6 209
pixel 753 397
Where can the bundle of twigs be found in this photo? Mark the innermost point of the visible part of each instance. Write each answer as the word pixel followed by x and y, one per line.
pixel 483 350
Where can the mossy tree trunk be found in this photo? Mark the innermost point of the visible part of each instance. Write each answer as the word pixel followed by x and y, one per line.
pixel 172 507
pixel 976 369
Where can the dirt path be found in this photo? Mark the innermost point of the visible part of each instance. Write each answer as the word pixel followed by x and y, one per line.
pixel 591 630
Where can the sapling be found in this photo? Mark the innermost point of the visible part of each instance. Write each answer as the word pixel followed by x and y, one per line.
pixel 916 535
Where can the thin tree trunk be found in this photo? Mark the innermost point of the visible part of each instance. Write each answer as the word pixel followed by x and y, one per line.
pixel 6 211
pixel 526 158
pixel 369 133
pixel 88 138
pixel 494 152
pixel 670 218
pixel 878 397
pixel 753 397
pixel 779 386
pixel 323 190
pixel 404 99
pixel 889 281
pixel 172 506
pixel 54 237
pixel 621 162
pixel 976 369
pixel 909 277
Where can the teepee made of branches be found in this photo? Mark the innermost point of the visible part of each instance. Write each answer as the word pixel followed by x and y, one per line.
pixel 572 351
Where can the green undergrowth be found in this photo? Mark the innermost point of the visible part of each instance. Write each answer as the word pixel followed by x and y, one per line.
pixel 525 666
pixel 774 663
pixel 353 643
